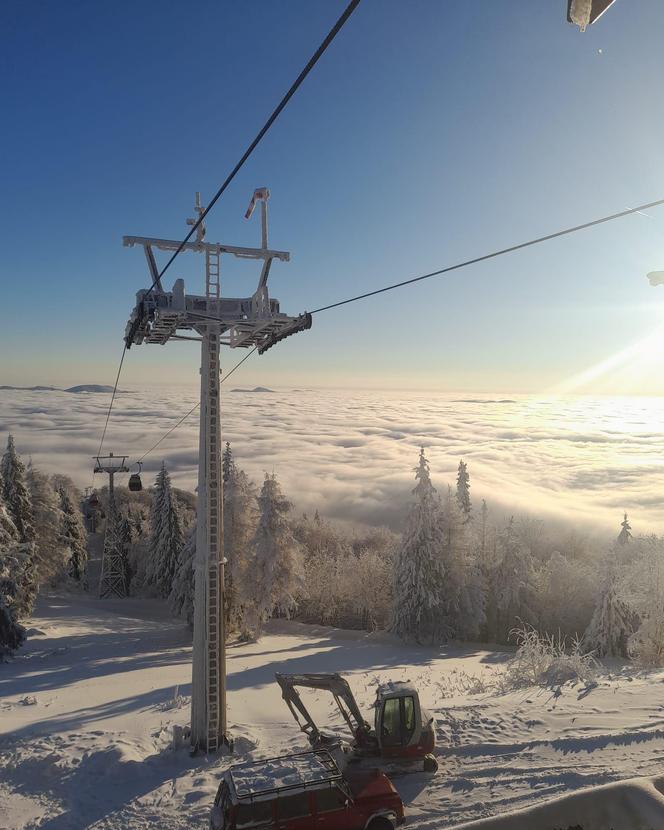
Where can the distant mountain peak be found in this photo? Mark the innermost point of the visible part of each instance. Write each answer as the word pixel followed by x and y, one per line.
pixel 255 389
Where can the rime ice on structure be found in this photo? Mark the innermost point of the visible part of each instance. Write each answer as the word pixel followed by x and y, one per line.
pixel 212 320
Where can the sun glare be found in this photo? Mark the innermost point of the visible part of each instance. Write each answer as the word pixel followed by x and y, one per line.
pixel 634 370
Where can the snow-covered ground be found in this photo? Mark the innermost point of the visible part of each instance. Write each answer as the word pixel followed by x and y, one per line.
pixel 87 709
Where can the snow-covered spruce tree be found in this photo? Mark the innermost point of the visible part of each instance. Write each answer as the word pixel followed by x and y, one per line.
pixel 418 612
pixel 484 519
pixel 12 633
pixel 181 598
pixel 463 490
pixel 166 536
pixel 463 594
pixel 227 462
pixel 513 584
pixel 613 621
pixel 240 516
pixel 642 590
pixel 127 539
pixel 374 605
pixel 73 538
pixel 8 531
pixel 567 596
pixel 625 532
pixel 277 567
pixel 15 492
pixel 326 555
pixel 50 553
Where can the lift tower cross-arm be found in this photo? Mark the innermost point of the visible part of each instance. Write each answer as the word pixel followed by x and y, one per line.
pixel 239 322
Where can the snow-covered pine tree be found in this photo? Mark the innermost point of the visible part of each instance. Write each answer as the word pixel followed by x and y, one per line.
pixel 462 591
pixel 513 584
pixel 181 598
pixel 166 536
pixel 50 553
pixel 625 532
pixel 239 528
pixel 613 622
pixel 568 591
pixel 127 539
pixel 484 514
pixel 418 610
pixel 277 561
pixel 73 538
pixel 227 462
pixel 463 490
pixel 15 492
pixel 12 633
pixel 8 531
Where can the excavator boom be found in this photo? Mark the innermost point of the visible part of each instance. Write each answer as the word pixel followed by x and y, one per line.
pixel 344 698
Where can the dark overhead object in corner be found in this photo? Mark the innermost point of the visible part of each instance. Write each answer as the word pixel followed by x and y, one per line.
pixel 586 12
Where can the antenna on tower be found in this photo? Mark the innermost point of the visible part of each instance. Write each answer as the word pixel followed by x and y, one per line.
pixel 200 210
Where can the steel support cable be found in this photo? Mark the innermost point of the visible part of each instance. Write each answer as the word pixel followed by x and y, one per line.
pixel 493 255
pixel 195 407
pixel 110 406
pixel 334 31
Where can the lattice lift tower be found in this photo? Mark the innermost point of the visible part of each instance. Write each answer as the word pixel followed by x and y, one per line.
pixel 160 316
pixel 113 579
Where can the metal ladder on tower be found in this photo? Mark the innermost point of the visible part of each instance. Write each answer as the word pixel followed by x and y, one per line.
pixel 212 275
pixel 215 628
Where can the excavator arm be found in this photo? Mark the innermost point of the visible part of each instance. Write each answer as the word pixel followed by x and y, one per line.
pixel 340 690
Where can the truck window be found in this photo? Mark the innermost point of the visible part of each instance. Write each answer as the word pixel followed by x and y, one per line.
pixel 330 799
pixel 258 814
pixel 293 806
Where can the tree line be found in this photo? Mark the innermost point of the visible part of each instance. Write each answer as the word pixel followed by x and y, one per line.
pixel 42 540
pixel 455 573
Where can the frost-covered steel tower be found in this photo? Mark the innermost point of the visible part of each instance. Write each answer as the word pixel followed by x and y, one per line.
pixel 113 578
pixel 160 316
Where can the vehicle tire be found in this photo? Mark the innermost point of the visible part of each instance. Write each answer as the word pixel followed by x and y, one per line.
pixel 380 823
pixel 430 763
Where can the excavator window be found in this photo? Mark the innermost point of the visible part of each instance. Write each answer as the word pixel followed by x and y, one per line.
pixel 391 722
pixel 408 718
pixel 398 723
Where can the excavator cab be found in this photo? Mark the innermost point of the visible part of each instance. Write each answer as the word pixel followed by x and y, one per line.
pixel 403 728
pixel 403 731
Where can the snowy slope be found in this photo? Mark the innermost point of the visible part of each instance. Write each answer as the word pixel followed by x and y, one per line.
pixel 93 750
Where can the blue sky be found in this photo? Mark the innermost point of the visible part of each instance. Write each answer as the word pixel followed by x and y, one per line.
pixel 429 133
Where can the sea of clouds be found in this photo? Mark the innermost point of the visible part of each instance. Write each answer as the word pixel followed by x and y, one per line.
pixel 351 454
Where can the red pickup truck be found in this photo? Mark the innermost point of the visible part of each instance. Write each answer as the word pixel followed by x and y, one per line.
pixel 305 791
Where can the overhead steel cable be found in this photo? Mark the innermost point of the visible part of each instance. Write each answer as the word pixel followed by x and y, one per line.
pixel 195 407
pixel 484 257
pixel 334 31
pixel 110 406
pixel 313 60
pixel 493 255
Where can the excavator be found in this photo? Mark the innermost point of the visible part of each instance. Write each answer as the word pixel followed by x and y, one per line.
pixel 401 740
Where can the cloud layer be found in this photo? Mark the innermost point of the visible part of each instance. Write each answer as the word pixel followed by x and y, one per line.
pixel 351 455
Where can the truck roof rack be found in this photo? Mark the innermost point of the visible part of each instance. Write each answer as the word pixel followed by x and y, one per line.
pixel 298 771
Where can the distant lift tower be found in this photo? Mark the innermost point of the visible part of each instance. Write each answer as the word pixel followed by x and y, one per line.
pixel 160 316
pixel 113 579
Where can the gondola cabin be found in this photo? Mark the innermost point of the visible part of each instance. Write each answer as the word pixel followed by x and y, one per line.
pixel 135 483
